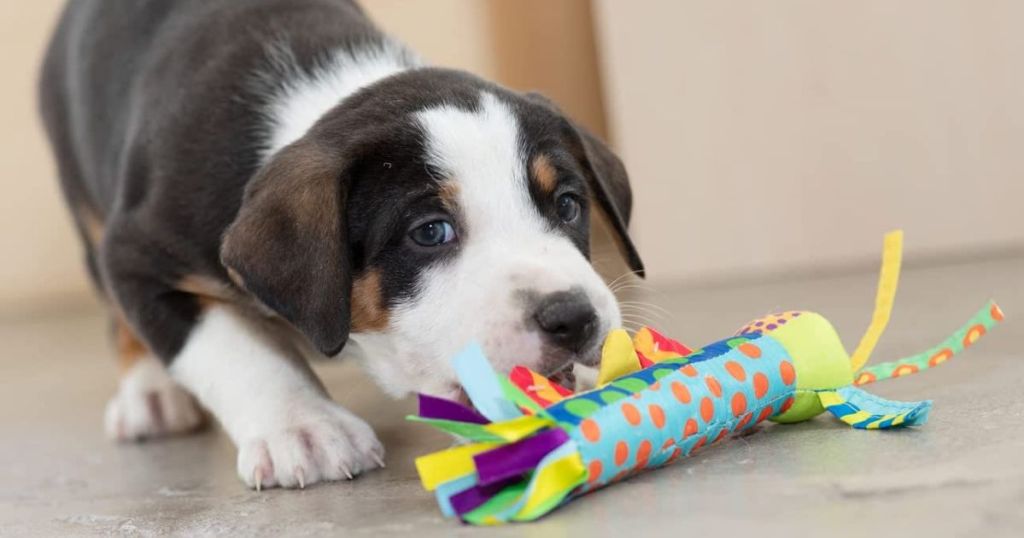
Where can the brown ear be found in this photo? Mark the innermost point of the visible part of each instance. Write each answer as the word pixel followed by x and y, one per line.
pixel 288 244
pixel 608 179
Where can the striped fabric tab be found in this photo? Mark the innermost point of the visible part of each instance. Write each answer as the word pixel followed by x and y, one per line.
pixel 866 411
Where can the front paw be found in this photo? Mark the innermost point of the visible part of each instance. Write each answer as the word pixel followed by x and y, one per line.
pixel 321 441
pixel 149 404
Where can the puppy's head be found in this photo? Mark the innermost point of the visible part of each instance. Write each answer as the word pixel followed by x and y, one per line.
pixel 430 210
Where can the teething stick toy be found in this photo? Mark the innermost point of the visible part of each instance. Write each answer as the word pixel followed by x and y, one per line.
pixel 533 445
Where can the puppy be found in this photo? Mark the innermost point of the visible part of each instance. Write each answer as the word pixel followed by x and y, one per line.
pixel 258 181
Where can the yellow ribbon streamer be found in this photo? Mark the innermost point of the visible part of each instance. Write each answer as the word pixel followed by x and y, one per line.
pixel 552 481
pixel 888 279
pixel 440 467
pixel 518 428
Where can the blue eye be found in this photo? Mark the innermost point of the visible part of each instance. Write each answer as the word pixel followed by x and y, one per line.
pixel 568 207
pixel 433 234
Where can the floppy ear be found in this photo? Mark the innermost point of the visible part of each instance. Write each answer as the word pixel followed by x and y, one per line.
pixel 610 184
pixel 608 179
pixel 288 244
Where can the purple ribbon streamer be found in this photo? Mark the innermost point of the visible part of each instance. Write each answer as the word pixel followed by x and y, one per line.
pixel 469 499
pixel 517 458
pixel 439 408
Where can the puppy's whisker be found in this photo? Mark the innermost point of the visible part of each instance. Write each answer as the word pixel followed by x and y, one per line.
pixel 620 278
pixel 626 294
pixel 617 279
pixel 622 284
pixel 652 319
pixel 639 321
pixel 643 310
pixel 653 314
pixel 612 285
pixel 642 304
pixel 634 317
pixel 631 292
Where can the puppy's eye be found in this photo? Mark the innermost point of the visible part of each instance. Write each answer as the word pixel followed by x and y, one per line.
pixel 568 207
pixel 433 234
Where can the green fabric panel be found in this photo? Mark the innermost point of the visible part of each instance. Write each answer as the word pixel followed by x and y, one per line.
pixel 473 432
pixel 820 361
pixel 513 393
pixel 499 503
pixel 806 405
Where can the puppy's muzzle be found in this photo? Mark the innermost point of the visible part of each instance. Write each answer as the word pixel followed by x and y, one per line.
pixel 567 320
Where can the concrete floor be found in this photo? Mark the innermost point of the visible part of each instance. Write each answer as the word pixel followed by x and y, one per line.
pixel 958 476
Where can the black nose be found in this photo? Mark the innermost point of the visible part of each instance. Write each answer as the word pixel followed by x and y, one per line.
pixel 567 319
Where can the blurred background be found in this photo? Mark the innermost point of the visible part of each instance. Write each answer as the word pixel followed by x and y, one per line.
pixel 762 138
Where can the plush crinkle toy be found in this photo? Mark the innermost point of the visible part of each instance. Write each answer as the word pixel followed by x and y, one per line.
pixel 532 444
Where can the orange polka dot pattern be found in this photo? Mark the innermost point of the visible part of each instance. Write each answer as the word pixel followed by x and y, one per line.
pixel 697 404
pixel 591 431
pixel 970 333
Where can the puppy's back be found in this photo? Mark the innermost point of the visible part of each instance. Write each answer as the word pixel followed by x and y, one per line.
pixel 122 69
pixel 85 87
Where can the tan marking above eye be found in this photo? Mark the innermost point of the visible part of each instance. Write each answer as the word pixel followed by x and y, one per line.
pixel 449 194
pixel 368 311
pixel 544 174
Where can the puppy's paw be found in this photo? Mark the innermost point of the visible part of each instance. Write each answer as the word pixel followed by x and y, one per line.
pixel 321 442
pixel 150 404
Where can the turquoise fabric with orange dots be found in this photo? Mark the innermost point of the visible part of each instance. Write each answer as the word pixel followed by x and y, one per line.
pixel 684 405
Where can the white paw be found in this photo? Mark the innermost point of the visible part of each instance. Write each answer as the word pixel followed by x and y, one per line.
pixel 150 404
pixel 322 441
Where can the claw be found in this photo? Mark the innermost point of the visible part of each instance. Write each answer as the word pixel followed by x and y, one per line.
pixel 257 476
pixel 378 459
pixel 300 475
pixel 344 469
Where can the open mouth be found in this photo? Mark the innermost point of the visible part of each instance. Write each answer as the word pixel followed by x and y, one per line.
pixel 565 377
pixel 459 395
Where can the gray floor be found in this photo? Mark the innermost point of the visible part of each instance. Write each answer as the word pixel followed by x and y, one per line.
pixel 958 476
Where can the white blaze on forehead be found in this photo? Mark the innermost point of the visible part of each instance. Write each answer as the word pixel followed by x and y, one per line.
pixel 481 150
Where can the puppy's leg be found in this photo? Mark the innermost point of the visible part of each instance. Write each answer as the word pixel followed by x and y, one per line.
pixel 288 431
pixel 148 403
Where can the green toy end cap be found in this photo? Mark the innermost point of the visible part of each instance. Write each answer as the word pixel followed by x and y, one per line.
pixel 806 406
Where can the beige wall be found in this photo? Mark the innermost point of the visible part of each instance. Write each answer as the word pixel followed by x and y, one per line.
pixel 42 265
pixel 773 135
pixel 523 44
pixel 497 39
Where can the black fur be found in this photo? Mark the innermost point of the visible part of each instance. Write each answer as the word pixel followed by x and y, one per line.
pixel 156 113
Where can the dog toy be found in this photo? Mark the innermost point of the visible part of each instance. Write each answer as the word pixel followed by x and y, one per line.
pixel 533 445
